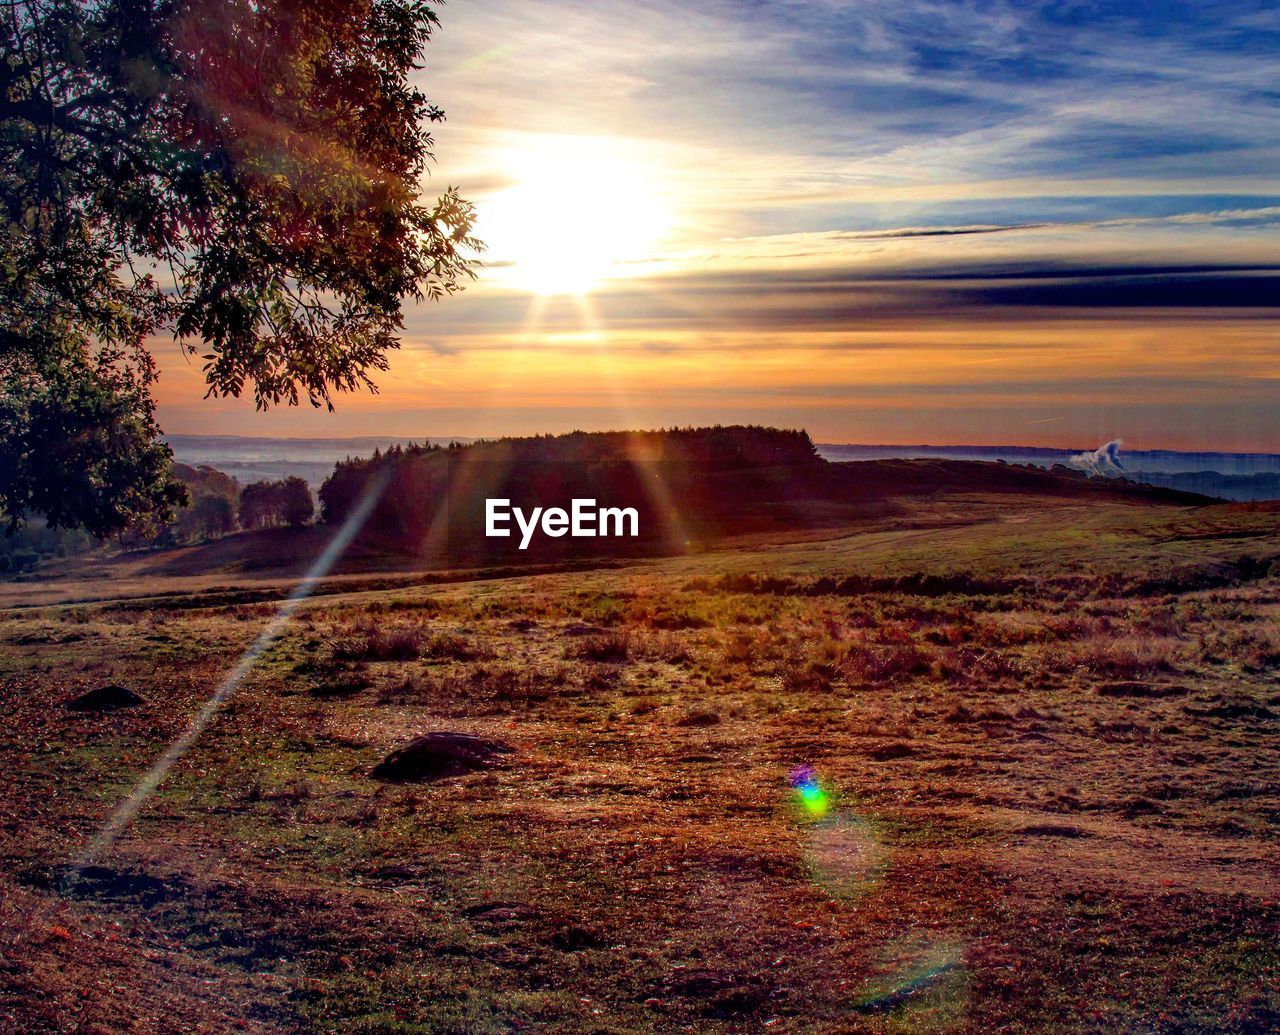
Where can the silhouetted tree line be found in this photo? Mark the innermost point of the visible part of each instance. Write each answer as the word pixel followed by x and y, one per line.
pixel 689 486
pixel 270 504
pixel 345 485
pixel 680 480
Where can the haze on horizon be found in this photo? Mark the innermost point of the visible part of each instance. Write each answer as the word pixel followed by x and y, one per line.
pixel 920 221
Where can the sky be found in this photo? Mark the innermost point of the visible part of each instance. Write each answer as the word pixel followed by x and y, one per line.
pixel 909 221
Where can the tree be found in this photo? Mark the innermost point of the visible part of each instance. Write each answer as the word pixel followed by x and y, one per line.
pixel 296 505
pixel 214 515
pixel 240 174
pixel 259 505
pixel 78 445
pixel 212 511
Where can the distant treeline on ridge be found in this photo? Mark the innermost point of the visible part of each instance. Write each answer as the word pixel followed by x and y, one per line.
pixel 690 486
pixel 683 481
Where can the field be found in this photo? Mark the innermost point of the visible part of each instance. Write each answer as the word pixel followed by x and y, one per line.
pixel 1012 768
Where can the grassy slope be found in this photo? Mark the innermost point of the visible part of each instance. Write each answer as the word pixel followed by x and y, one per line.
pixel 817 500
pixel 1014 841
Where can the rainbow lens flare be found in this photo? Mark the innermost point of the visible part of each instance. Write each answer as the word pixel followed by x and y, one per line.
pixel 917 981
pixel 845 856
pixel 810 793
pixel 921 980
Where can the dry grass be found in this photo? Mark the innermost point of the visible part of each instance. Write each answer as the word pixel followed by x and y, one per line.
pixel 1039 802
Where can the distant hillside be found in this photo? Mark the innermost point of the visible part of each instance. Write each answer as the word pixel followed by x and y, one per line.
pixel 1232 476
pixel 250 459
pixel 688 487
pixel 1242 487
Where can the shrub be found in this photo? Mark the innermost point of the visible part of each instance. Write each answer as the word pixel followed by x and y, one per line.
pixel 882 663
pixel 740 649
pixel 457 648
pixel 614 648
pixel 813 666
pixel 371 643
pixel 1126 657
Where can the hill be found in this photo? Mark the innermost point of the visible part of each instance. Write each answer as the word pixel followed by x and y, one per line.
pixel 688 488
pixel 693 490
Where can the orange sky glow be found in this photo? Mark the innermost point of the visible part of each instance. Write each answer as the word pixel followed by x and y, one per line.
pixel 662 253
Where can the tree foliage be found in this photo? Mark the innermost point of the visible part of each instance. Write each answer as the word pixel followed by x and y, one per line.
pixel 240 174
pixel 266 504
pixel 679 480
pixel 214 496
pixel 296 507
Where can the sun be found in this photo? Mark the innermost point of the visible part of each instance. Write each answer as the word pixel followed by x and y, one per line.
pixel 580 211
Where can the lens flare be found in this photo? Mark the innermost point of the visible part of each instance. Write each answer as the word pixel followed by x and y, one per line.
pixel 919 978
pixel 125 812
pixel 845 856
pixel 809 792
pixel 918 981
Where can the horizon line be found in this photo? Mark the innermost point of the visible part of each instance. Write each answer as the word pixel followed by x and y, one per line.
pixel 468 439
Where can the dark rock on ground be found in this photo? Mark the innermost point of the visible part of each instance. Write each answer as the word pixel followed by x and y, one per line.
pixel 105 699
pixel 439 755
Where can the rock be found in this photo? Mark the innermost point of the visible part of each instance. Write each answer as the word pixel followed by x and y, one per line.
pixel 105 699
pixel 439 755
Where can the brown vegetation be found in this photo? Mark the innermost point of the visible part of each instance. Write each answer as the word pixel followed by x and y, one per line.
pixel 959 778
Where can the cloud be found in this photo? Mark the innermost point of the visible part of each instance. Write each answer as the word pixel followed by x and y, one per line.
pixel 992 196
pixel 935 231
pixel 800 298
pixel 797 104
